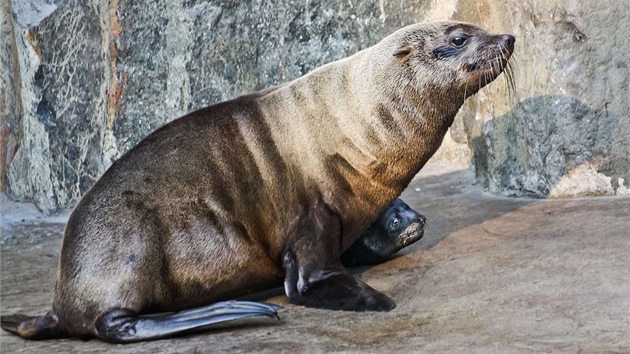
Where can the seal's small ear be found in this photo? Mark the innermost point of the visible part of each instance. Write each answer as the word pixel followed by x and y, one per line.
pixel 403 52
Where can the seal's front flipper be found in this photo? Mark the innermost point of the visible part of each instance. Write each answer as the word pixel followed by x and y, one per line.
pixel 333 290
pixel 313 273
pixel 123 326
pixel 345 292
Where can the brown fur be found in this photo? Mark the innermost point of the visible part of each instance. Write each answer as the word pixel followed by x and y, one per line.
pixel 235 197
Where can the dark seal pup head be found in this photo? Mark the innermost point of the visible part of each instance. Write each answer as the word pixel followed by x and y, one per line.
pixel 399 226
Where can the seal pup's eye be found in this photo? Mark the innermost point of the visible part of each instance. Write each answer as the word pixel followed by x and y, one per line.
pixel 459 41
pixel 394 224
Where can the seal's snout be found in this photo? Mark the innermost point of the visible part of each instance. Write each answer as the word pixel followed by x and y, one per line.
pixel 509 41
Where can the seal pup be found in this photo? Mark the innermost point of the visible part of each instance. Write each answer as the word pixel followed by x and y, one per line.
pixel 268 187
pixel 397 227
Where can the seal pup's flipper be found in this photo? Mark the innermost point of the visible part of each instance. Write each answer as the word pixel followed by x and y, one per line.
pixel 123 326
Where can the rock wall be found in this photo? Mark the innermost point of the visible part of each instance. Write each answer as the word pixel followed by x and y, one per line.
pixel 89 80
pixel 566 131
pixel 10 105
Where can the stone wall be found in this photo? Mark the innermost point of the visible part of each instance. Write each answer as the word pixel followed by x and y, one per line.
pixel 566 131
pixel 89 80
pixel 10 105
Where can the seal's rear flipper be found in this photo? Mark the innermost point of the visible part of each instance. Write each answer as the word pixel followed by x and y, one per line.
pixel 123 326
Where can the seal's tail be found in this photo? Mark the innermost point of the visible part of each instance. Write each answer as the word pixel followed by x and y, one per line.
pixel 37 327
pixel 121 326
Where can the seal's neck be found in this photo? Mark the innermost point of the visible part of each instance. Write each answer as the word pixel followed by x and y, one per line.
pixel 416 129
pixel 409 115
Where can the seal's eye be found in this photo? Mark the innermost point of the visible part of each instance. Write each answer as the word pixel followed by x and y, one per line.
pixel 459 41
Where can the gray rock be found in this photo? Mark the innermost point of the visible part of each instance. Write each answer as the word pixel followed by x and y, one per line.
pixel 179 56
pixel 529 150
pixel 10 102
pixel 98 76
pixel 31 12
pixel 569 118
pixel 64 66
pixel 94 77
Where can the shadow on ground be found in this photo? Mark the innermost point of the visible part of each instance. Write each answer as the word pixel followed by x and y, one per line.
pixel 451 201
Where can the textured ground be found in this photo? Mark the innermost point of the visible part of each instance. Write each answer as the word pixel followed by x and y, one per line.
pixel 491 275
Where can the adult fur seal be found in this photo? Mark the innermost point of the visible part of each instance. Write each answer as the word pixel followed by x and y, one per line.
pixel 397 227
pixel 274 185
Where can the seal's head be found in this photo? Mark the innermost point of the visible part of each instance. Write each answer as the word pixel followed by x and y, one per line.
pixel 479 56
pixel 453 60
pixel 399 226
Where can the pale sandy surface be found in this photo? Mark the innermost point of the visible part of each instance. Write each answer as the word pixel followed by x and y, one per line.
pixel 492 275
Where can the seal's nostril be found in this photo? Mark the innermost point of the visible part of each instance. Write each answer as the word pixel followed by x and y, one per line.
pixel 509 40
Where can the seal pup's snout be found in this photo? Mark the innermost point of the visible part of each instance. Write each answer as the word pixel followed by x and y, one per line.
pixel 423 220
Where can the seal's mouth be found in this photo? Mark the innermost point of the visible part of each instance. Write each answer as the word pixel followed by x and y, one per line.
pixel 492 62
pixel 491 68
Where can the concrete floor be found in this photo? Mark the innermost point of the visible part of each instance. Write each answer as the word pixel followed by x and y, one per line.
pixel 492 275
